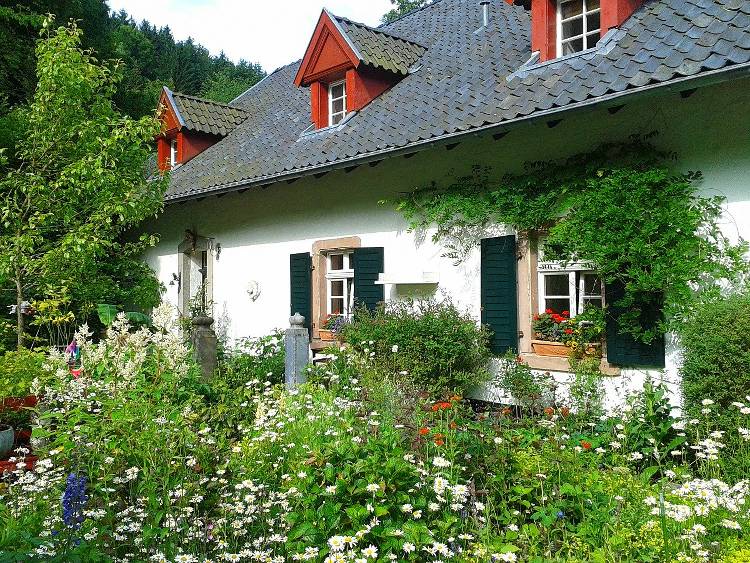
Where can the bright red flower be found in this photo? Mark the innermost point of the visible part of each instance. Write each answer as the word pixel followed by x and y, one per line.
pixel 424 431
pixel 548 311
pixel 566 313
pixel 568 331
pixel 439 442
pixel 585 445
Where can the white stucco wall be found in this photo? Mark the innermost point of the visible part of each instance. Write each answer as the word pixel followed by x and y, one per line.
pixel 259 229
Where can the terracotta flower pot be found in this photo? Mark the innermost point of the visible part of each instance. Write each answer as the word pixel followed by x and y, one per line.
pixel 546 348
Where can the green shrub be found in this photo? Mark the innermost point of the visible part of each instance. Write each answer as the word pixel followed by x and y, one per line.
pixel 716 353
pixel 440 348
pixel 254 358
pixel 18 369
pixel 524 385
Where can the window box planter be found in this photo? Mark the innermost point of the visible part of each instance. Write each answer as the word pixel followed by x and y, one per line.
pixel 326 335
pixel 548 348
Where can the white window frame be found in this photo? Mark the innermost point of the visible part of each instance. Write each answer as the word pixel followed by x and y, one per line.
pixel 585 14
pixel 331 99
pixel 172 153
pixel 346 275
pixel 575 272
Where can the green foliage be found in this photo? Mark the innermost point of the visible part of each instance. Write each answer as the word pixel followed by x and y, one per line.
pixel 152 56
pixel 78 186
pixel 18 369
pixel 228 83
pixel 344 466
pixel 586 390
pixel 522 383
pixel 438 347
pixel 403 7
pixel 620 207
pixel 254 358
pixel 716 353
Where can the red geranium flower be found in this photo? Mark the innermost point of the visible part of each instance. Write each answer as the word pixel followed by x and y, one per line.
pixel 566 313
pixel 568 331
pixel 548 311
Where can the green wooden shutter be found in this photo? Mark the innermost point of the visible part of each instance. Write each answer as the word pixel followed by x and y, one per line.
pixel 623 349
pixel 499 293
pixel 368 265
pixel 300 276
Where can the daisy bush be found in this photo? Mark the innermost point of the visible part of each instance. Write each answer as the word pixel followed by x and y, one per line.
pixel 141 460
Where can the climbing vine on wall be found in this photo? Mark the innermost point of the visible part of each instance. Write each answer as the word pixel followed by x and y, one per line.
pixel 621 207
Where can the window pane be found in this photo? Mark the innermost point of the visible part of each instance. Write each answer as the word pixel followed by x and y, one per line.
pixel 338 106
pixel 337 306
pixel 557 305
pixel 592 22
pixel 571 8
pixel 337 288
pixel 596 302
pixel 592 285
pixel 556 284
pixel 572 28
pixel 337 90
pixel 591 40
pixel 337 118
pixel 337 261
pixel 572 46
pixel 592 5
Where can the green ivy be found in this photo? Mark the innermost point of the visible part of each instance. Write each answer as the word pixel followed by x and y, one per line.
pixel 621 207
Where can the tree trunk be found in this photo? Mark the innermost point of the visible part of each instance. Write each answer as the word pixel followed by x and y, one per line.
pixel 20 321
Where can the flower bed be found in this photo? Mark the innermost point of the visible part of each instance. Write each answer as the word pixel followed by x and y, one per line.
pixel 144 461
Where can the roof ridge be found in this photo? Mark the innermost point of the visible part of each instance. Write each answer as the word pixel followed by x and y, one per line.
pixel 381 31
pixel 207 101
pixel 407 14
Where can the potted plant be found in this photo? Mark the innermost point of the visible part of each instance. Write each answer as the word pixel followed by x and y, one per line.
pixel 549 330
pixel 559 335
pixel 7 438
pixel 331 327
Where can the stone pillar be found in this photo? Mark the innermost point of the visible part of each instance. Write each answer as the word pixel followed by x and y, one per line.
pixel 297 348
pixel 204 345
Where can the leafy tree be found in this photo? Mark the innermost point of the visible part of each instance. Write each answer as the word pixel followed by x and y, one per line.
pixel 402 8
pixel 76 187
pixel 230 82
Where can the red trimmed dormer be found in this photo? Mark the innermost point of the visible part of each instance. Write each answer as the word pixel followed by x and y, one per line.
pixel 347 65
pixel 564 27
pixel 190 125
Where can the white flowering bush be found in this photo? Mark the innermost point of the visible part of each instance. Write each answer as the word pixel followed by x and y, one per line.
pixel 346 468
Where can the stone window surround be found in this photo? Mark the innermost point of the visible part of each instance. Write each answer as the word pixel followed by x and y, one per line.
pixel 528 301
pixel 320 249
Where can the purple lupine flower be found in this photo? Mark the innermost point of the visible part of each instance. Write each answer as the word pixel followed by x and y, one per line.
pixel 73 501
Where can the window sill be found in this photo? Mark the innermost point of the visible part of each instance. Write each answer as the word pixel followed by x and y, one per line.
pixel 557 363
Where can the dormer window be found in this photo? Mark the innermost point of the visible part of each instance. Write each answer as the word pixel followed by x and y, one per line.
pixel 347 65
pixel 578 25
pixel 337 102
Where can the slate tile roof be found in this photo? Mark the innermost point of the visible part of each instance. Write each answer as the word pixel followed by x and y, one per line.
pixel 467 79
pixel 206 116
pixel 380 49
